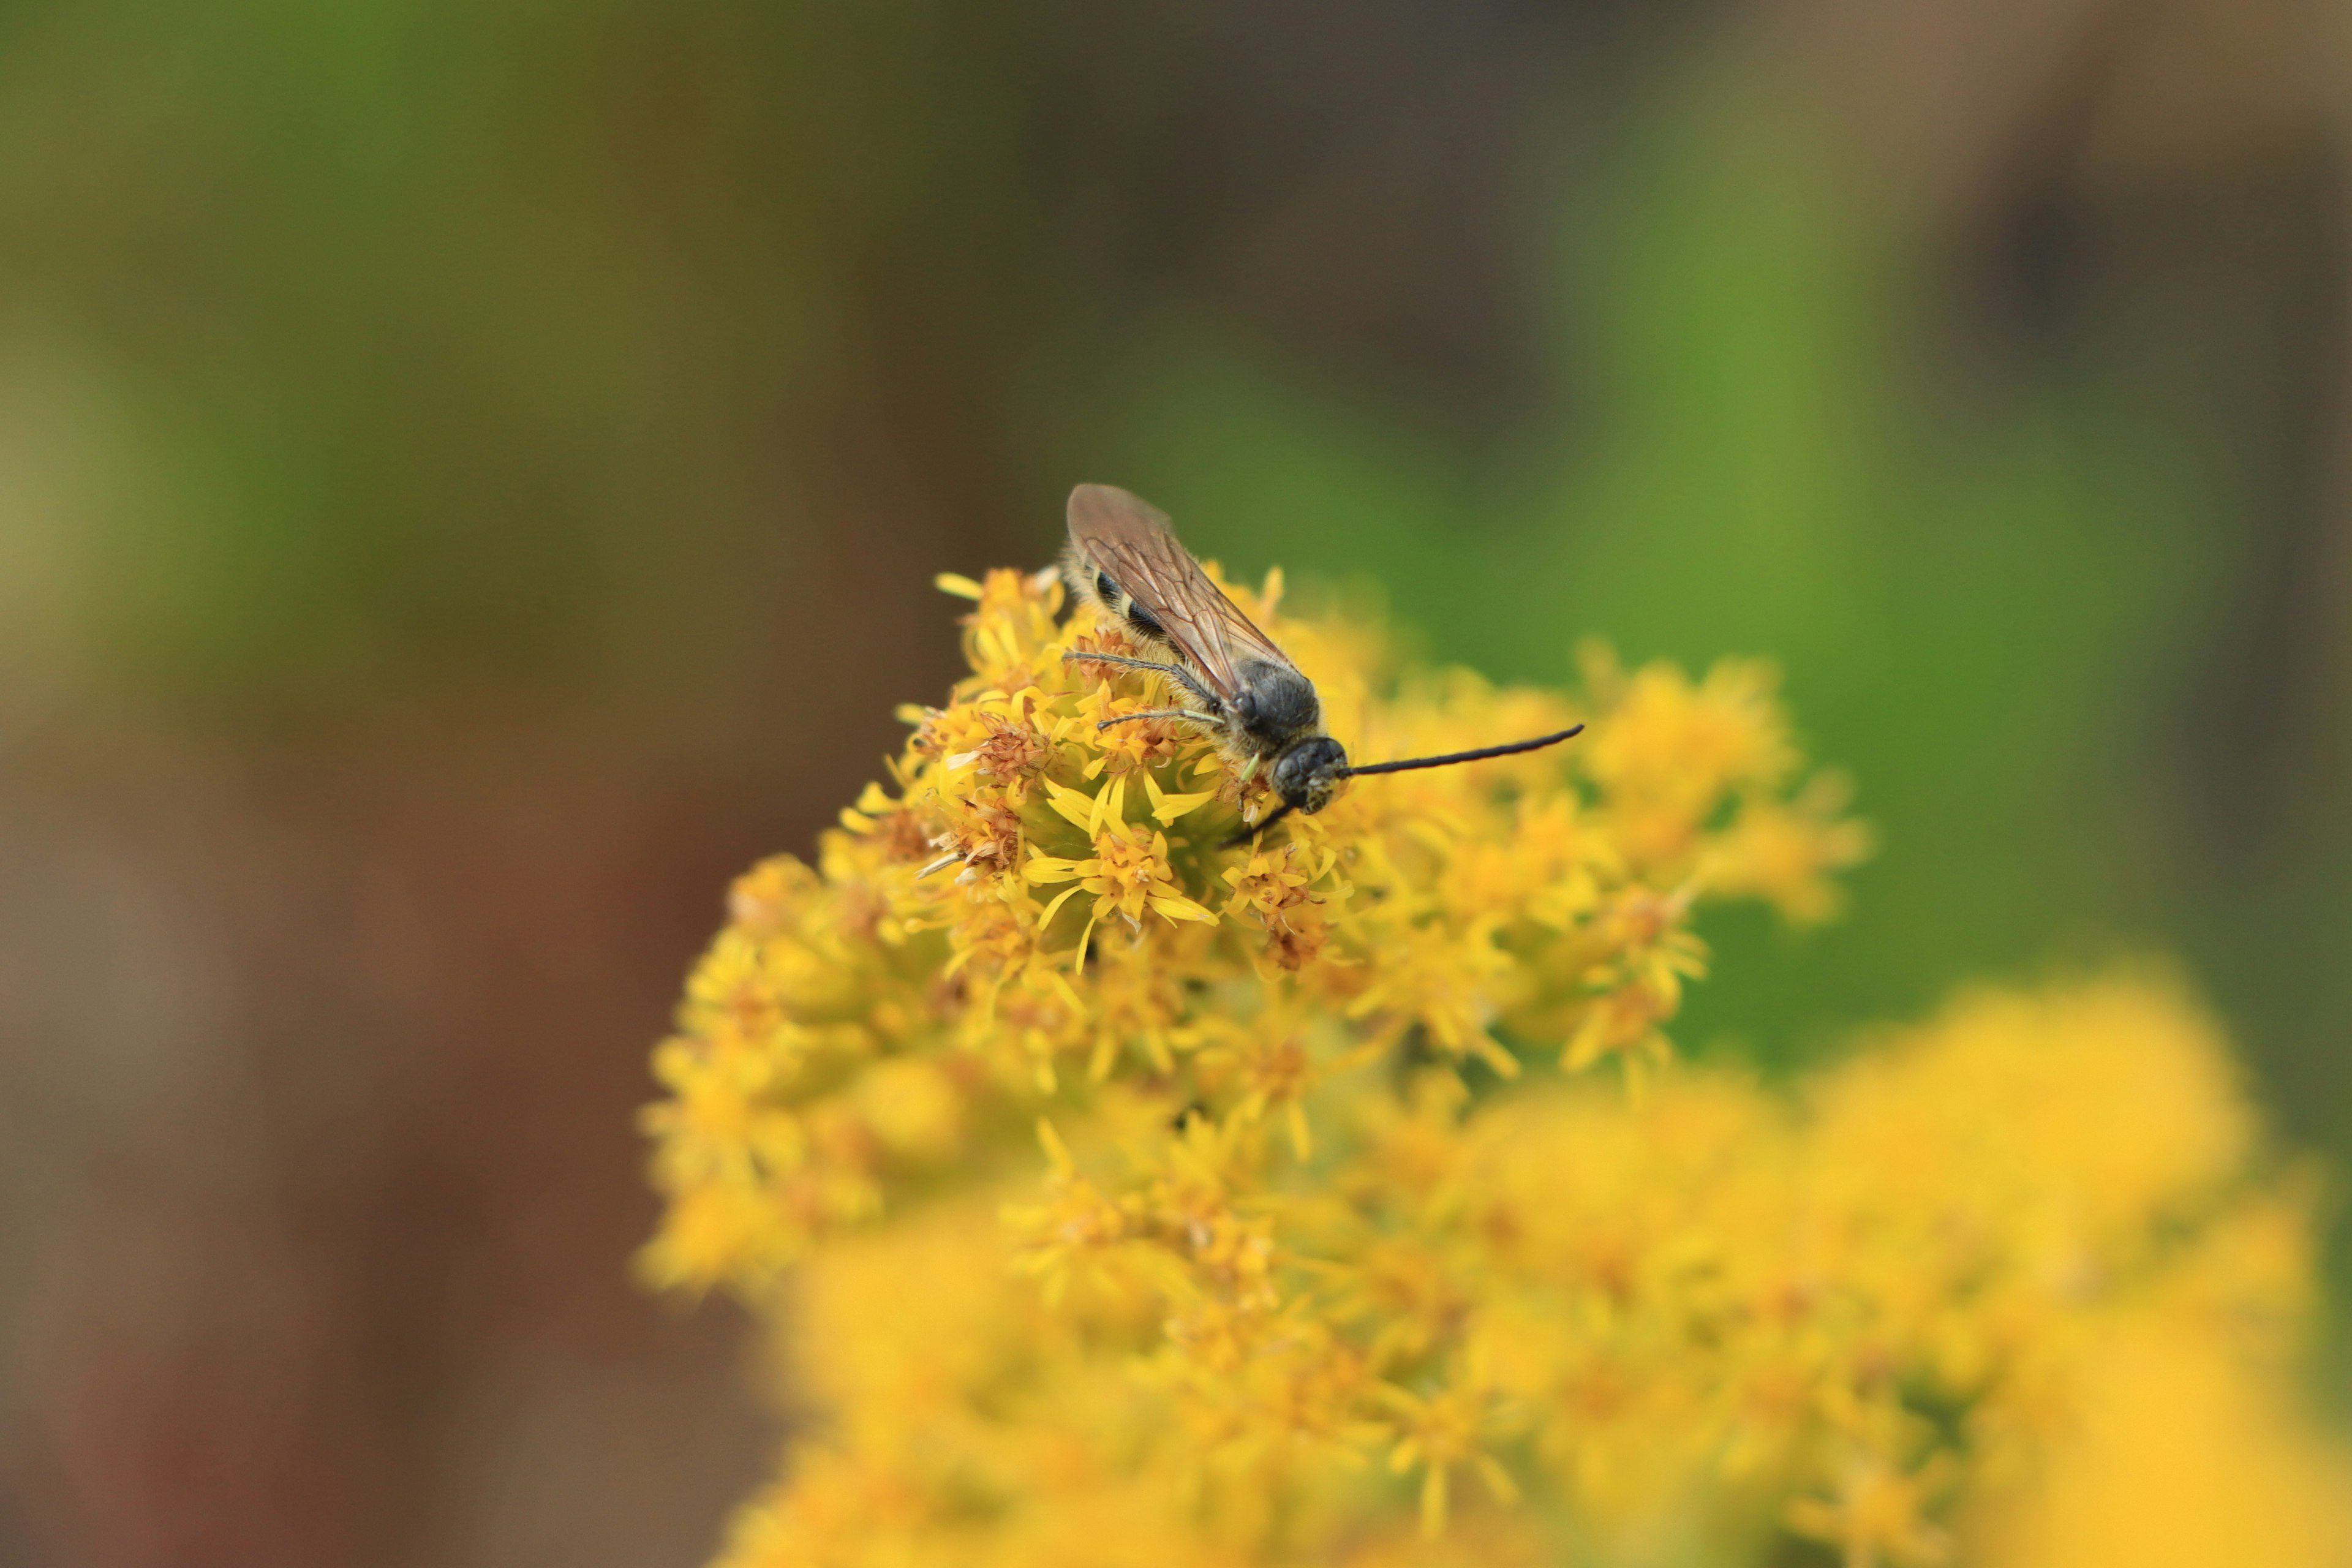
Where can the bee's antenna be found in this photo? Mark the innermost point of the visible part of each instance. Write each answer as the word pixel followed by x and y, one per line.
pixel 1250 829
pixel 1537 744
pixel 1480 755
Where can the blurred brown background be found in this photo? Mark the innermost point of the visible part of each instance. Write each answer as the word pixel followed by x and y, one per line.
pixel 470 477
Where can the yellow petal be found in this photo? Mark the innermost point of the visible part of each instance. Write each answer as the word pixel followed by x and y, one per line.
pixel 1078 807
pixel 1110 803
pixel 1505 1065
pixel 1055 908
pixel 1177 907
pixel 956 582
pixel 1168 807
pixel 1057 1152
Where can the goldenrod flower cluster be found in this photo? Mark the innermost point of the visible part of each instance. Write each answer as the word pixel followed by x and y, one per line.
pixel 1126 1198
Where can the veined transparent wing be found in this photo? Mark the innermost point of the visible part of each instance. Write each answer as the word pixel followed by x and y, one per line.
pixel 1129 539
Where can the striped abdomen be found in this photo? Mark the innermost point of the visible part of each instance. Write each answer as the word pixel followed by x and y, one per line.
pixel 1090 583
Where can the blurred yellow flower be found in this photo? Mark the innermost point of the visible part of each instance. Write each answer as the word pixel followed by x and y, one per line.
pixel 1242 1215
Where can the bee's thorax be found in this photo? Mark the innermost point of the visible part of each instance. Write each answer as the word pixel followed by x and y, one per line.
pixel 1275 706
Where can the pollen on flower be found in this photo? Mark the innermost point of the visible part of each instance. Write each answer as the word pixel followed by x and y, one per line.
pixel 1125 1198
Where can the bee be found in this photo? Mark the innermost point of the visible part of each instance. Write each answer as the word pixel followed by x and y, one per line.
pixel 1124 559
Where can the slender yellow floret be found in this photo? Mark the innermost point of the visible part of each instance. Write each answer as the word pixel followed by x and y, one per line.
pixel 1125 1198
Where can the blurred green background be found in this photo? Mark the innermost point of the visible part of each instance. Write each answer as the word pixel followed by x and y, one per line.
pixel 470 477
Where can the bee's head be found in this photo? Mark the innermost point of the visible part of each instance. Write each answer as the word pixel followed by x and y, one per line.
pixel 1308 774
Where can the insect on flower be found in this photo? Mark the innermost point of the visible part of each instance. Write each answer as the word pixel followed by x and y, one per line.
pixel 1124 559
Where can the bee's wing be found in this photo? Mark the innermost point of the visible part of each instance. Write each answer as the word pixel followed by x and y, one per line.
pixel 1129 539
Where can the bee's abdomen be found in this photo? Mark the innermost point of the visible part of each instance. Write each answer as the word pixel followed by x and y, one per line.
pixel 1145 623
pixel 1103 589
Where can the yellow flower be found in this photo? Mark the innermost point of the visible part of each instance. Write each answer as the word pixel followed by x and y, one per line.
pixel 1326 1221
pixel 1445 1430
pixel 1129 871
pixel 1878 1516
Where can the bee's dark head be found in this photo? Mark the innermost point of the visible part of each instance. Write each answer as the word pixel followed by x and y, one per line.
pixel 1308 775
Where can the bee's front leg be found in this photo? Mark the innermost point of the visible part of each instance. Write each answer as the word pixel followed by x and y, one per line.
pixel 1182 677
pixel 1209 718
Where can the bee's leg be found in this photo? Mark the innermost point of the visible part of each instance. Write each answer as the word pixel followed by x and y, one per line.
pixel 1175 672
pixel 1208 718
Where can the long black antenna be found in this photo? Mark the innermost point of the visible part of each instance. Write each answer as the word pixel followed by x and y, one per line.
pixel 1537 744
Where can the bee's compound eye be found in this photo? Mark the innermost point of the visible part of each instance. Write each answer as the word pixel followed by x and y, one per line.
pixel 1308 774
